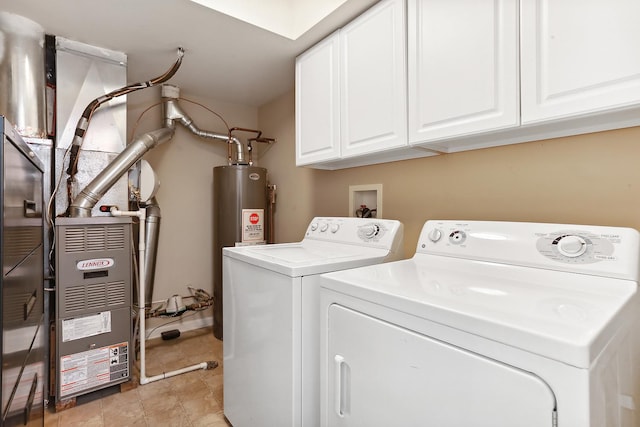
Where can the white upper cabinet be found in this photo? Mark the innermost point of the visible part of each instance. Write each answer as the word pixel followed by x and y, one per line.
pixel 438 76
pixel 374 82
pixel 318 102
pixel 462 67
pixel 351 93
pixel 579 57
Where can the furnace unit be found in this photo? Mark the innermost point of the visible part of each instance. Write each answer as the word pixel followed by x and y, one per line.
pixel 93 304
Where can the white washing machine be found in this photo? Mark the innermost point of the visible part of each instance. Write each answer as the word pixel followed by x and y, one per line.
pixel 490 324
pixel 271 317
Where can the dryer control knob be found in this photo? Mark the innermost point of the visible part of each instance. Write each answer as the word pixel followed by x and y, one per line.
pixel 434 235
pixel 314 226
pixel 572 246
pixel 335 228
pixel 324 227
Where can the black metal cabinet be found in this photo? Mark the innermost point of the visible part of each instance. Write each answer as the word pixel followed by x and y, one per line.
pixel 22 285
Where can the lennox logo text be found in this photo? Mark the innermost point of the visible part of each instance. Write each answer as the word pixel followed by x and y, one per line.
pixel 95 264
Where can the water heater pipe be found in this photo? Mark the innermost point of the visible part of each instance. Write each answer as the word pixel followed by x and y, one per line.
pixel 271 191
pixel 173 112
pixel 141 214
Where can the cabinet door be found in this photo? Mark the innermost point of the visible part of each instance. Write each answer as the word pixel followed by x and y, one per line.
pixel 379 374
pixel 373 52
pixel 463 67
pixel 578 57
pixel 318 103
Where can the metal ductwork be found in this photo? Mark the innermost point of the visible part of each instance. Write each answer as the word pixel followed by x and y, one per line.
pixel 152 235
pixel 91 194
pixel 85 118
pixel 22 79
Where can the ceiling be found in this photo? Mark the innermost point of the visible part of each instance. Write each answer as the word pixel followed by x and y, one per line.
pixel 226 59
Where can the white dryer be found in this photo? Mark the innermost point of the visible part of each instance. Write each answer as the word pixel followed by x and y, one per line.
pixel 490 324
pixel 271 317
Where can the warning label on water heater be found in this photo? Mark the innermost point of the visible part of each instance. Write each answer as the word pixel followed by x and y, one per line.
pixel 252 225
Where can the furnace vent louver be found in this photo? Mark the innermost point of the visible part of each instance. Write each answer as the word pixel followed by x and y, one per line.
pixel 74 300
pixel 94 238
pixel 96 296
pixel 93 297
pixel 116 293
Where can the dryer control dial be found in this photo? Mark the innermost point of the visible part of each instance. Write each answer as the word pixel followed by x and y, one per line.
pixel 435 235
pixel 324 227
pixel 571 246
pixel 335 228
pixel 314 226
pixel 457 237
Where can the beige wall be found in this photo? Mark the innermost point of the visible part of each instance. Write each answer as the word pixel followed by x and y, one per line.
pixel 184 166
pixel 294 195
pixel 586 179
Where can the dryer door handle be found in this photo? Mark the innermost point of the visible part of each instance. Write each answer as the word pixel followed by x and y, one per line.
pixel 342 386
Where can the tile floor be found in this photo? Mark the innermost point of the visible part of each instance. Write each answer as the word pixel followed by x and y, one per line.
pixel 190 400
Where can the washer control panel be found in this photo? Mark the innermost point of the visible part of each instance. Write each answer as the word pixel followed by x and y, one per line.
pixel 374 232
pixel 371 231
pixel 613 251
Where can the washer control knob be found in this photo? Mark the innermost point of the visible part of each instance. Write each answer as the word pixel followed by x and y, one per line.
pixel 335 228
pixel 324 227
pixel 371 230
pixel 434 235
pixel 314 226
pixel 572 246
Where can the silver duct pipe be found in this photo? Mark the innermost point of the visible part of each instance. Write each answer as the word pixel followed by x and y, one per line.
pixel 91 194
pixel 173 112
pixel 152 234
pixel 22 78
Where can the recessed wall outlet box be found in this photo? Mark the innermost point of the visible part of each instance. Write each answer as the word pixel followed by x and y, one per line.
pixel 365 200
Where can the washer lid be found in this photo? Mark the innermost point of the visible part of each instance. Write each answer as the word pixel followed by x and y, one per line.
pixel 307 257
pixel 564 316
